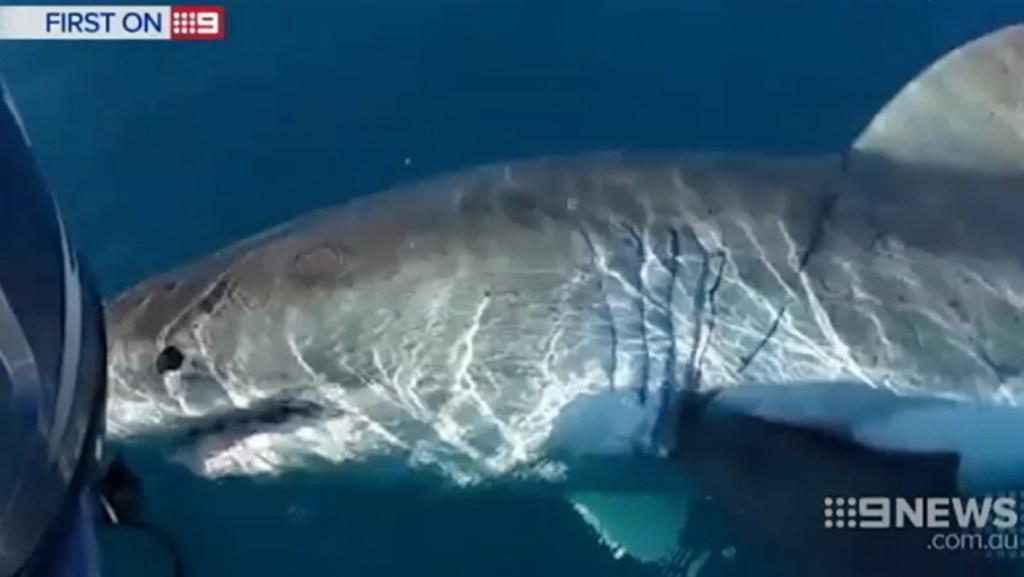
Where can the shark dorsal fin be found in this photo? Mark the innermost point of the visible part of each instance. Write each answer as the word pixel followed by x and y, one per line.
pixel 965 112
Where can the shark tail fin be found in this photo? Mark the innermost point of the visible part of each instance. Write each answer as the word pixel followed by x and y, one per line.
pixel 965 112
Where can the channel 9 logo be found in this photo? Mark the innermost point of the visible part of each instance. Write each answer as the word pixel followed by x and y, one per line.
pixel 197 22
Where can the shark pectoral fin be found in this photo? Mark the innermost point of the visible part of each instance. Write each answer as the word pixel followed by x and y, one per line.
pixel 773 461
pixel 964 112
pixel 836 406
pixel 820 439
pixel 609 426
pixel 983 436
pixel 645 526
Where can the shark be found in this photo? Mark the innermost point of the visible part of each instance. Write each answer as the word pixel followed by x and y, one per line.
pixel 649 333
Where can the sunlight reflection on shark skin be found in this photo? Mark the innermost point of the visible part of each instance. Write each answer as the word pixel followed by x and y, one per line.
pixel 518 319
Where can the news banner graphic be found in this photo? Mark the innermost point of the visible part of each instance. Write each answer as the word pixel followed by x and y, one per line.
pixel 111 22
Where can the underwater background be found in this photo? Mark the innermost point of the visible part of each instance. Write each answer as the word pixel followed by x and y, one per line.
pixel 160 152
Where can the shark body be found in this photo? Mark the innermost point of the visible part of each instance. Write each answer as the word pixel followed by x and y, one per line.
pixel 522 320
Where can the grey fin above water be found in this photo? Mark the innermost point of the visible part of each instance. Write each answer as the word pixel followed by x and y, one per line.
pixel 965 112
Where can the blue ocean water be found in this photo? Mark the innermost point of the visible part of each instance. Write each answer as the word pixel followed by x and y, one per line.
pixel 161 152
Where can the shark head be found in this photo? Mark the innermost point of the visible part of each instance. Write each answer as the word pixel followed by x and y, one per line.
pixel 156 362
pixel 389 319
pixel 224 334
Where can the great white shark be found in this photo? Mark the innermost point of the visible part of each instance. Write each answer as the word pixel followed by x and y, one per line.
pixel 774 330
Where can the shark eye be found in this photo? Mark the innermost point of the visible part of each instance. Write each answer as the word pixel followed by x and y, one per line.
pixel 169 359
